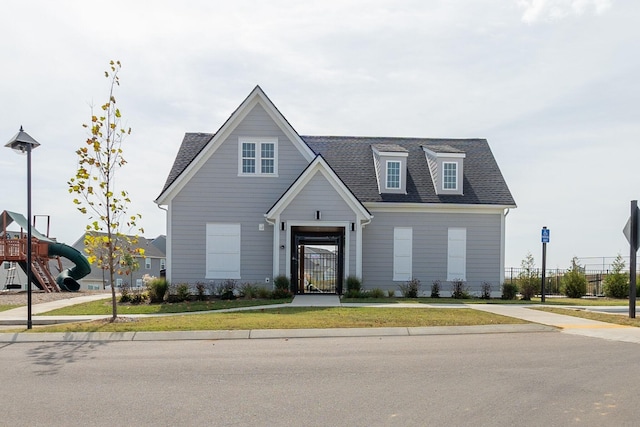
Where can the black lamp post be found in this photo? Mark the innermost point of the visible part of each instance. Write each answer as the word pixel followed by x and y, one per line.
pixel 23 143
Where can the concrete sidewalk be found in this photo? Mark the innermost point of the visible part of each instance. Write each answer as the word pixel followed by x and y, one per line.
pixel 567 324
pixel 541 322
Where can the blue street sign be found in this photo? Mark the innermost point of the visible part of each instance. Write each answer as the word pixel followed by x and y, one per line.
pixel 545 235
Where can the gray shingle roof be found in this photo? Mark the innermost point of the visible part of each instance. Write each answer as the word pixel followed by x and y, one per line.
pixel 389 148
pixel 192 144
pixel 350 158
pixel 444 149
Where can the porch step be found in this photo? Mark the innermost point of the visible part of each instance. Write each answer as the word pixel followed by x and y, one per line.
pixel 315 300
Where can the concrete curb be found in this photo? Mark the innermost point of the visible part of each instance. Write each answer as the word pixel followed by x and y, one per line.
pixel 31 337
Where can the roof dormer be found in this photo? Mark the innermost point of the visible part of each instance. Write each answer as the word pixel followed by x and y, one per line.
pixel 446 165
pixel 390 161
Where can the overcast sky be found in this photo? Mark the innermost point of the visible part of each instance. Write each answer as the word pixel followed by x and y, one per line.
pixel 552 84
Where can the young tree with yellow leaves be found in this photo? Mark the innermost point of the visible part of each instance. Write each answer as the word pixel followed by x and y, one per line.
pixel 94 185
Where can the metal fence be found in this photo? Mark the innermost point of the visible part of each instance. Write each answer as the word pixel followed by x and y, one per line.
pixel 553 279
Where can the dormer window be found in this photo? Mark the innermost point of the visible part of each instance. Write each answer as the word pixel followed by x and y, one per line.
pixel 449 175
pixel 390 161
pixel 258 156
pixel 393 174
pixel 446 167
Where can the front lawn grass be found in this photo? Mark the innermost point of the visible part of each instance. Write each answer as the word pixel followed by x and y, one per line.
pixel 5 307
pixel 296 318
pixel 616 319
pixel 474 300
pixel 103 307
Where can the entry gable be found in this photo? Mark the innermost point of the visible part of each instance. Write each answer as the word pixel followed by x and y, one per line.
pixel 191 157
pixel 318 166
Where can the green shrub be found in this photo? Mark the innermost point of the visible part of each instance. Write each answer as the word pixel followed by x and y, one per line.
pixel 509 291
pixel 459 289
pixel 353 284
pixel 182 292
pixel 157 289
pixel 574 282
pixel 281 294
pixel 282 282
pixel 375 293
pixel 410 289
pixel 435 289
pixel 616 284
pixel 249 291
pixel 352 293
pixel 125 293
pixel 485 290
pixel 282 286
pixel 226 289
pixel 138 297
pixel 201 293
pixel 264 293
pixel 528 280
pixel 391 293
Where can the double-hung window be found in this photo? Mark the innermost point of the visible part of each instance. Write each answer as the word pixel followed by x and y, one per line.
pixel 258 156
pixel 450 176
pixel 393 174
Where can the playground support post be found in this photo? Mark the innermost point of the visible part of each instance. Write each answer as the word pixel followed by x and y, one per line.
pixel 22 142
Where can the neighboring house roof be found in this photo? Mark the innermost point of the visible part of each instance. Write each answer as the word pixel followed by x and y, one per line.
pixel 483 181
pixel 160 242
pixel 151 250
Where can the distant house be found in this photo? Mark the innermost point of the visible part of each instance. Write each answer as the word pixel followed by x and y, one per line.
pixel 249 201
pixel 153 261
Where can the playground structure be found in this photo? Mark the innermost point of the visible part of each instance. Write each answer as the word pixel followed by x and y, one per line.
pixel 13 248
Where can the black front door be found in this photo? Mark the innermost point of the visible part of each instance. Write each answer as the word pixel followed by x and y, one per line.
pixel 317 262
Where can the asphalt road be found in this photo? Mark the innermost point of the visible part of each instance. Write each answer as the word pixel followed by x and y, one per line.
pixel 524 379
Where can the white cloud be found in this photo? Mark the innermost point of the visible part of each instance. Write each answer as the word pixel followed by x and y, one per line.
pixel 553 10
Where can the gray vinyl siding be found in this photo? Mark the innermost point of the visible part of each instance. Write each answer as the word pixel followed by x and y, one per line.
pixel 430 234
pixel 217 194
pixel 433 168
pixel 319 195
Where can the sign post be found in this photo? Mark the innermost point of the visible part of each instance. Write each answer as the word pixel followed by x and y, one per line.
pixel 632 237
pixel 545 240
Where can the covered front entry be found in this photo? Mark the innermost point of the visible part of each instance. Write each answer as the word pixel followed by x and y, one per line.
pixel 317 260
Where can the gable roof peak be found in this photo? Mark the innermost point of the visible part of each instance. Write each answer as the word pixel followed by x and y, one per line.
pixel 196 148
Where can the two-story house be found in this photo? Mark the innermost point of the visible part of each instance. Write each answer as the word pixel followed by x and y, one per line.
pixel 252 201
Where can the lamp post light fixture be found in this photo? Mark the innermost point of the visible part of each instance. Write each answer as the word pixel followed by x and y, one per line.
pixel 23 143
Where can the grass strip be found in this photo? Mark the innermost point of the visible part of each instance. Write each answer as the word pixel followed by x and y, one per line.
pixel 296 318
pixel 103 307
pixel 549 301
pixel 617 319
pixel 5 307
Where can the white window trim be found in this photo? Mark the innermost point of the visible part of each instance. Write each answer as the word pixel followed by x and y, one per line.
pixel 147 263
pixel 386 175
pixel 258 158
pixel 455 188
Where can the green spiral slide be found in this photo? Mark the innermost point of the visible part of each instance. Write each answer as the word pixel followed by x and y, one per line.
pixel 67 279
